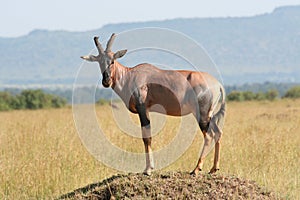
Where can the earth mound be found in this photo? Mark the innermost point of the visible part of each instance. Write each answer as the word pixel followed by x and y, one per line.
pixel 172 185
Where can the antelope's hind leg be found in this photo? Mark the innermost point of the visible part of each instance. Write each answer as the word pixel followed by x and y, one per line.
pixel 217 132
pixel 205 150
pixel 211 138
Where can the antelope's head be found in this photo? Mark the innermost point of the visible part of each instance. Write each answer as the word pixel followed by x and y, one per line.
pixel 106 59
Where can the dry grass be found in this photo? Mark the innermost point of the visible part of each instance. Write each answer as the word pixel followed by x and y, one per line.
pixel 41 155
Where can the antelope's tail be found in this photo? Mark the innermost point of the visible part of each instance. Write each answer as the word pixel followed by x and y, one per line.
pixel 220 115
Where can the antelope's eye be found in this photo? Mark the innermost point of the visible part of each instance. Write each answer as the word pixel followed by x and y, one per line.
pixel 112 62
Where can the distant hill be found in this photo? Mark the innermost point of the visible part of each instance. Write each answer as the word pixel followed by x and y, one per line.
pixel 246 49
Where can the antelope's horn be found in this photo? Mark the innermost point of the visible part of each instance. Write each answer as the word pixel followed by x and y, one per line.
pixel 110 42
pixel 98 45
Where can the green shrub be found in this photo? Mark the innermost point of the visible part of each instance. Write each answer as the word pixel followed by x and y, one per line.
pixel 260 96
pixel 58 102
pixel 271 95
pixel 250 96
pixel 235 96
pixel 4 106
pixel 30 99
pixel 293 93
pixel 102 102
pixel 5 101
pixel 36 99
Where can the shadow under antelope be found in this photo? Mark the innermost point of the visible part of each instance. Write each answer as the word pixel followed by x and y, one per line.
pixel 178 92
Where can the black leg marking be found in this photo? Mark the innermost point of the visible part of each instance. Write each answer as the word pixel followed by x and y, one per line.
pixel 141 109
pixel 143 116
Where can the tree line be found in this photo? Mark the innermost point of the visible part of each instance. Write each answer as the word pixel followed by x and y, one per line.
pixel 293 93
pixel 30 99
pixel 38 99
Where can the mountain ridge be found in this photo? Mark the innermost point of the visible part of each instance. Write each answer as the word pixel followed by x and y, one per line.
pixel 247 49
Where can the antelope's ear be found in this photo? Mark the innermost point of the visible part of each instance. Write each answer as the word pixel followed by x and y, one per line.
pixel 90 58
pixel 120 53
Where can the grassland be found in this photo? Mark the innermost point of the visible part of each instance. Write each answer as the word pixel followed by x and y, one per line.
pixel 41 155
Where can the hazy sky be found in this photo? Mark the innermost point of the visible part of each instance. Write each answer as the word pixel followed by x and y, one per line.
pixel 19 17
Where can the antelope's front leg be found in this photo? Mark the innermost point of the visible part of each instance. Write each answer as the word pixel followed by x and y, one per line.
pixel 146 132
pixel 140 96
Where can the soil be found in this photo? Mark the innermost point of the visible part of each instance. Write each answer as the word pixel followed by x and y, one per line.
pixel 172 185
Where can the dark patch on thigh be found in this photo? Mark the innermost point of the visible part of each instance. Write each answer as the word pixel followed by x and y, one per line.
pixel 204 126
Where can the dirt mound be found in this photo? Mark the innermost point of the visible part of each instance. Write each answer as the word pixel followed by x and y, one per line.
pixel 171 185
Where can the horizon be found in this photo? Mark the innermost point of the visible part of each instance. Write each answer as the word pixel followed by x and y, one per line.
pixel 263 47
pixel 75 21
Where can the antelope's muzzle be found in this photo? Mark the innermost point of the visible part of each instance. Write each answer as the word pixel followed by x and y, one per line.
pixel 106 81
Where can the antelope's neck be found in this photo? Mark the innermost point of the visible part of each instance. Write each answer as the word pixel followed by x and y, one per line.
pixel 119 73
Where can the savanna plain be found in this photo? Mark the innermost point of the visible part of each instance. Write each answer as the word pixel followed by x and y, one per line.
pixel 42 156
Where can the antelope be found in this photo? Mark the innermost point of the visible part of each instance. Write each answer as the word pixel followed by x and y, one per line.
pixel 178 92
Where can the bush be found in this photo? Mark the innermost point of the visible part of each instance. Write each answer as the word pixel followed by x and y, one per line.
pixel 18 103
pixel 235 96
pixel 250 96
pixel 271 95
pixel 293 93
pixel 6 100
pixel 260 96
pixel 30 99
pixel 102 102
pixel 58 102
